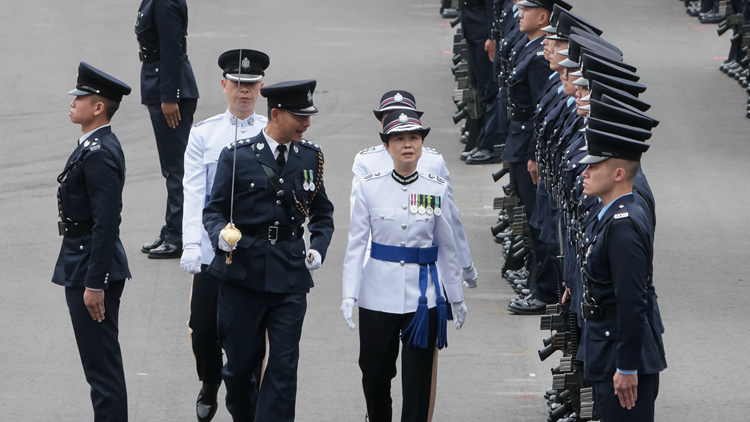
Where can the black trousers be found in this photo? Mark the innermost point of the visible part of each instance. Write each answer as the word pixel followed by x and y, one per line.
pixel 204 333
pixel 480 67
pixel 607 404
pixel 171 144
pixel 100 352
pixel 378 349
pixel 547 280
pixel 244 317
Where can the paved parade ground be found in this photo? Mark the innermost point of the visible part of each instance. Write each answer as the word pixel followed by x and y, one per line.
pixel 357 50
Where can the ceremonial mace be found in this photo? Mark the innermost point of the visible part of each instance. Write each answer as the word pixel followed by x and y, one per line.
pixel 230 233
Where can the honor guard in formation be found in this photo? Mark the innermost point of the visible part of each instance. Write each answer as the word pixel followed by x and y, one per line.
pixel 592 218
pixel 407 285
pixel 243 72
pixel 373 159
pixel 267 191
pixel 169 90
pixel 734 15
pixel 92 265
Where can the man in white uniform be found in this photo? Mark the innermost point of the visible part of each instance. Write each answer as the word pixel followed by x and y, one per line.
pixel 243 72
pixel 374 159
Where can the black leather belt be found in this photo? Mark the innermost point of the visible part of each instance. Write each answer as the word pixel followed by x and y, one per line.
pixel 598 313
pixel 271 233
pixel 519 114
pixel 148 56
pixel 74 230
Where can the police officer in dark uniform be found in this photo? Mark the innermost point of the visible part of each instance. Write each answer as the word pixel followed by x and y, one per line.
pixel 277 183
pixel 169 91
pixel 529 73
pixel 92 264
pixel 622 348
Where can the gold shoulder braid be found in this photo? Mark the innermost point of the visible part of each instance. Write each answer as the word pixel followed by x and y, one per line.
pixel 318 182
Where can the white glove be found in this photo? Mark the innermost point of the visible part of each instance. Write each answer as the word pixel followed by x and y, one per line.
pixel 224 246
pixel 460 309
pixel 347 307
pixel 316 259
pixel 191 258
pixel 469 276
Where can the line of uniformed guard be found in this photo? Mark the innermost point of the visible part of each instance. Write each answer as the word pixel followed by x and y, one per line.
pixel 578 218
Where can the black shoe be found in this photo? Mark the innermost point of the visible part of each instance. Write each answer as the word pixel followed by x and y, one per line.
pixel 711 18
pixel 207 404
pixel 484 156
pixel 146 248
pixel 449 13
pixel 528 306
pixel 166 251
pixel 466 154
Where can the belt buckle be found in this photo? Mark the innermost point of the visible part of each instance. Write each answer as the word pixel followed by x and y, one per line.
pixel 273 234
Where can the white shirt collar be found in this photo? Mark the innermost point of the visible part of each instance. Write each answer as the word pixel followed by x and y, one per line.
pixel 272 144
pixel 84 137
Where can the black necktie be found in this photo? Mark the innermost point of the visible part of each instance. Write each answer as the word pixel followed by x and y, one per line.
pixel 280 160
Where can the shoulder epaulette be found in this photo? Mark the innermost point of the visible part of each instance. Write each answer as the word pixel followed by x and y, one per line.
pixel 208 120
pixel 240 143
pixel 433 177
pixel 376 175
pixel 306 143
pixel 368 150
pixel 431 150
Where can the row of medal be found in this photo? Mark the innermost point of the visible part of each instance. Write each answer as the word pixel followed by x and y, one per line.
pixel 424 204
pixel 308 184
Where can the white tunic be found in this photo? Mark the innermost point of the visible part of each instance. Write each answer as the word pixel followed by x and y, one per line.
pixel 374 159
pixel 206 141
pixel 381 208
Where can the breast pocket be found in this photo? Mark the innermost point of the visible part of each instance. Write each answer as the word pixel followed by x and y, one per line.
pixel 425 219
pixel 382 215
pixel 248 187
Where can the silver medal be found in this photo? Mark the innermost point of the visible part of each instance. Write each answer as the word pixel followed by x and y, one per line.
pixel 421 209
pixel 438 211
pixel 306 185
pixel 413 208
pixel 312 186
pixel 428 210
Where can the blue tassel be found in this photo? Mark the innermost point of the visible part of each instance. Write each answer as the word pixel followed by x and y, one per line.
pixel 442 317
pixel 416 332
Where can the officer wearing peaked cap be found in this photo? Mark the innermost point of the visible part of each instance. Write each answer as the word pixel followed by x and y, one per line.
pixel 373 159
pixel 169 91
pixel 621 348
pixel 243 72
pixel 278 185
pixel 411 276
pixel 92 265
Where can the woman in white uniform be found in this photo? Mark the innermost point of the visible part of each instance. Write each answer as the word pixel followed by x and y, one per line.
pixel 412 276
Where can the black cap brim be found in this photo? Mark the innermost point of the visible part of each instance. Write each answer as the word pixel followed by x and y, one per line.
pixel 379 113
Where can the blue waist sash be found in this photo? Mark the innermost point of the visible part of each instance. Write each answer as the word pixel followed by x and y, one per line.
pixel 418 329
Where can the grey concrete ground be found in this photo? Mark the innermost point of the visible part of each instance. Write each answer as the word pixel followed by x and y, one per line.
pixel 357 50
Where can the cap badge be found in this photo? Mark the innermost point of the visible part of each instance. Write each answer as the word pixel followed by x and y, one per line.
pixel 398 97
pixel 402 118
pixel 309 95
pixel 245 63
